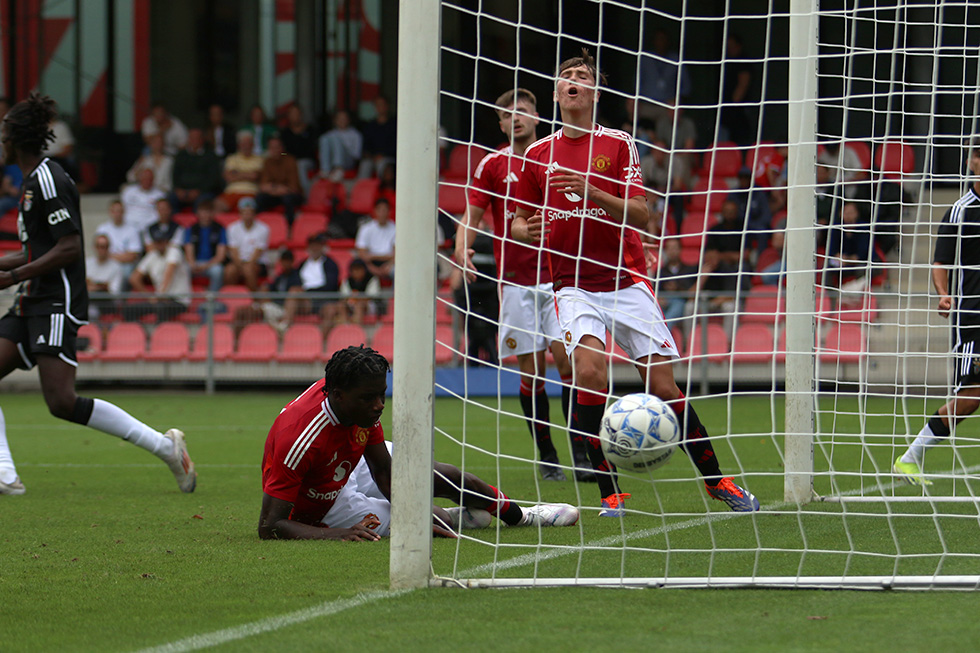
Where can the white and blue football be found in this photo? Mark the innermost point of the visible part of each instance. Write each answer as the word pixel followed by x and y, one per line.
pixel 639 433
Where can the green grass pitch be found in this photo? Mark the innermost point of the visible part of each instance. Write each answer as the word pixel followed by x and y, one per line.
pixel 104 554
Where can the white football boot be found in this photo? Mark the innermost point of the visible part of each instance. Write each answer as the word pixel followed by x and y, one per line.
pixel 180 462
pixel 13 487
pixel 550 514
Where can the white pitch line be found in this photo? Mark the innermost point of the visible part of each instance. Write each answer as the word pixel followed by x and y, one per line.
pixel 207 640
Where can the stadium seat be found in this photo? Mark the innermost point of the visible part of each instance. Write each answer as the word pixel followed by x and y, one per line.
pixel 342 256
pixel 224 343
pixel 302 343
pixel 767 257
pixel 463 161
pixel 362 196
pixel 863 152
pixel 343 336
pixel 93 335
pixel 225 219
pixel 185 219
pixel 304 226
pixel 763 149
pixel 326 197
pixel 722 162
pixel 445 344
pixel 844 344
pixel 452 198
pixel 126 342
pixel 753 344
pixel 717 343
pixel 894 159
pixel 384 341
pixel 708 193
pixel 767 308
pixel 169 342
pixel 864 311
pixel 232 297
pixel 258 342
pixel 278 228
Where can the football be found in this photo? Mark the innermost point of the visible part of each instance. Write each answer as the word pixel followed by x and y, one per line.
pixel 639 433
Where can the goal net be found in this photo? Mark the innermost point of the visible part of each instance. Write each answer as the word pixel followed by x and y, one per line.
pixel 797 164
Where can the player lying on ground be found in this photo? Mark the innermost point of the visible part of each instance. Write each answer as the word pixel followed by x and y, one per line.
pixel 581 195
pixel 956 269
pixel 528 324
pixel 319 439
pixel 52 300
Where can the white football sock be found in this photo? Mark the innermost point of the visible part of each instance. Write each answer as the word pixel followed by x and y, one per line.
pixel 8 473
pixel 115 421
pixel 925 440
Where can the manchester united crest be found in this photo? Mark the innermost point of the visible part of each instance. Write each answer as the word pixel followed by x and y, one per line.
pixel 28 199
pixel 601 163
pixel 511 343
pixel 568 336
pixel 361 436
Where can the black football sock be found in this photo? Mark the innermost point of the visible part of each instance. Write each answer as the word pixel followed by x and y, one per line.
pixel 938 428
pixel 587 418
pixel 504 509
pixel 537 412
pixel 696 443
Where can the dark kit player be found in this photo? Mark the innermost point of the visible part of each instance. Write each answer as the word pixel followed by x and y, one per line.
pixel 52 299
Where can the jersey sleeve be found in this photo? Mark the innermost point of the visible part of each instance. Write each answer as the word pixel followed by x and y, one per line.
pixel 529 194
pixel 632 173
pixel 376 435
pixel 946 241
pixel 278 479
pixel 481 189
pixel 60 215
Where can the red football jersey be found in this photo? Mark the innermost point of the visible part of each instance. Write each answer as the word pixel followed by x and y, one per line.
pixel 493 185
pixel 586 247
pixel 309 455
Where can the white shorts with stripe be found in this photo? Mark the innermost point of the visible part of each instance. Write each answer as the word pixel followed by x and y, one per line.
pixel 631 315
pixel 528 322
pixel 358 499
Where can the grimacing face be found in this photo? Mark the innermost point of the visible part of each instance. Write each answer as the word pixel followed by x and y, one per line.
pixel 576 88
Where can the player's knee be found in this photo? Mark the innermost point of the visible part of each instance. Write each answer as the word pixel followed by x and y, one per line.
pixel 447 480
pixel 61 404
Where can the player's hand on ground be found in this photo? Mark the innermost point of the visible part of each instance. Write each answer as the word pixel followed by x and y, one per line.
pixel 537 228
pixel 440 523
pixel 362 531
pixel 945 304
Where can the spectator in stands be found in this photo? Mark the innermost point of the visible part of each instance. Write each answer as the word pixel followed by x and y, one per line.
pixel 205 246
pixel 10 185
pixel 279 181
pixel 827 196
pixel 241 172
pixel 770 265
pixel 219 134
pixel 62 147
pixel 125 246
pixel 753 205
pixel 170 127
pixel 165 222
pixel 248 245
pixel 739 88
pixel 139 201
pixel 380 140
pixel 196 172
pixel 770 175
pixel 375 243
pixel 261 128
pixel 661 77
pixel 299 140
pixel 844 164
pixel 386 187
pixel 155 159
pixel 340 148
pixel 668 175
pixel 725 257
pixel 163 267
pixel 360 292
pixel 677 130
pixel 850 251
pixel 676 281
pixel 272 310
pixel 103 274
pixel 319 274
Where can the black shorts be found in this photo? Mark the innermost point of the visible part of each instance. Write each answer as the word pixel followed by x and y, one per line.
pixel 52 335
pixel 966 361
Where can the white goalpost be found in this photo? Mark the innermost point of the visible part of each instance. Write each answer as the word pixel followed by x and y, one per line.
pixel 811 367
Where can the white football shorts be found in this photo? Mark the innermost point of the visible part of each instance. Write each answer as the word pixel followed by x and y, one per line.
pixel 358 499
pixel 528 322
pixel 631 315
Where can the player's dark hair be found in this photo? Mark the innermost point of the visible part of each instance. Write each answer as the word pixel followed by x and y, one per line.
pixel 29 123
pixel 585 60
pixel 513 96
pixel 347 367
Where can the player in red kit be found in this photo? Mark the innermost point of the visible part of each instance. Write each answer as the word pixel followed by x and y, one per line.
pixel 317 441
pixel 581 196
pixel 528 324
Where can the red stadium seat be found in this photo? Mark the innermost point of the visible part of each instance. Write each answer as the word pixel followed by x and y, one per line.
pixel 844 344
pixel 326 197
pixel 185 219
pixel 233 297
pixel 258 342
pixel 445 344
pixel 343 336
pixel 384 341
pixel 452 198
pixel 863 152
pixel 224 343
pixel 895 160
pixel 463 161
pixel 278 228
pixel 93 348
pixel 342 257
pixel 302 343
pixel 362 196
pixel 722 162
pixel 225 219
pixel 708 194
pixel 304 226
pixel 753 344
pixel 763 307
pixel 170 341
pixel 717 343
pixel 761 150
pixel 126 342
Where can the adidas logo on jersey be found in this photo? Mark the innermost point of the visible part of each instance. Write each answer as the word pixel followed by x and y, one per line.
pixel 511 178
pixel 40 340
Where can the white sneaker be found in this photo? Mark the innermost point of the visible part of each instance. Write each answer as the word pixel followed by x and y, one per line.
pixel 13 487
pixel 180 462
pixel 470 517
pixel 550 514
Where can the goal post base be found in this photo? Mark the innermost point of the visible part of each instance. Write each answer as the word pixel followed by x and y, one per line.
pixel 734 582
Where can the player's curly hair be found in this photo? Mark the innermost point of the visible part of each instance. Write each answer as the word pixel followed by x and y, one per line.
pixel 347 367
pixel 585 60
pixel 29 123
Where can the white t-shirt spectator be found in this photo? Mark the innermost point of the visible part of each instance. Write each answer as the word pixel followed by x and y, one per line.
pixel 247 241
pixel 109 272
pixel 376 239
pixel 123 239
pixel 174 139
pixel 140 205
pixel 154 265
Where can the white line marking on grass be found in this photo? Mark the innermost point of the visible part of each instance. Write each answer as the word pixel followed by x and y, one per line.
pixel 207 640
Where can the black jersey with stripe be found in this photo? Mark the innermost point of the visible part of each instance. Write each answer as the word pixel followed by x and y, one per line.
pixel 958 247
pixel 48 211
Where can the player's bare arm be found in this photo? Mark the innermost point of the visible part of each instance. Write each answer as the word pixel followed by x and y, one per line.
pixel 635 209
pixel 12 260
pixel 274 524
pixel 465 235
pixel 66 251
pixel 528 227
pixel 379 462
pixel 940 280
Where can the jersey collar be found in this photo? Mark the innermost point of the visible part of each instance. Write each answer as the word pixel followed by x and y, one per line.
pixel 37 167
pixel 328 411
